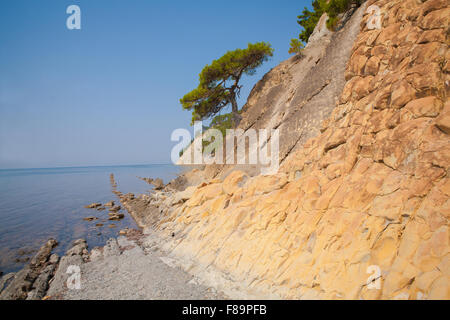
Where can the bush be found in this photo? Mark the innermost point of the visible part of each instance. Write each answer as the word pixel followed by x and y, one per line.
pixel 220 122
pixel 309 19
pixel 296 46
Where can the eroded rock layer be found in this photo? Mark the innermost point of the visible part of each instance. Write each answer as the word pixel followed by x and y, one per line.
pixel 359 212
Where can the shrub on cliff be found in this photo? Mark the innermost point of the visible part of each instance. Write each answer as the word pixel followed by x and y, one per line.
pixel 222 122
pixel 296 46
pixel 219 82
pixel 309 19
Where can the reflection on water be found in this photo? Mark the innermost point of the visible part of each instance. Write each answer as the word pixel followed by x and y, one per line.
pixel 36 204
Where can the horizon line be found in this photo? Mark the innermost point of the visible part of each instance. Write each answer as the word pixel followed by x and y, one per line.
pixel 87 166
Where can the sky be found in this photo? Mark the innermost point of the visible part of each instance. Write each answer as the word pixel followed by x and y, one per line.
pixel 108 94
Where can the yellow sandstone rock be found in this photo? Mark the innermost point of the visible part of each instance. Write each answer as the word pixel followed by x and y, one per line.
pixel 362 210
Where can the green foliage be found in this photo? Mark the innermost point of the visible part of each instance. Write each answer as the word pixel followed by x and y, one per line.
pixel 222 123
pixel 219 82
pixel 309 19
pixel 332 23
pixel 335 7
pixel 296 46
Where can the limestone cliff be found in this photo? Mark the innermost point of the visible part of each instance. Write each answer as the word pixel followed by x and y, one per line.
pixel 370 192
pixel 299 93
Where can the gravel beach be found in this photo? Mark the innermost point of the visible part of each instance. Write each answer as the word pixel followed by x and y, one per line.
pixel 126 270
pixel 131 267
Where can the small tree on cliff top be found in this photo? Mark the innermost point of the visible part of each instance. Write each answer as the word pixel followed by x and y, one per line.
pixel 219 82
pixel 309 19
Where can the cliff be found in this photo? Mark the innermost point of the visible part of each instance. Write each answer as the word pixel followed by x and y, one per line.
pixel 360 206
pixel 297 95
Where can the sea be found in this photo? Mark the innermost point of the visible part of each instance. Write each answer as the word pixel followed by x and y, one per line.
pixel 38 204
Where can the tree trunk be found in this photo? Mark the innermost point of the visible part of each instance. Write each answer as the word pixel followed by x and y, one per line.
pixel 235 110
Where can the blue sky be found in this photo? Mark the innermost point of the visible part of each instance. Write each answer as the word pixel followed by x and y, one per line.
pixel 109 93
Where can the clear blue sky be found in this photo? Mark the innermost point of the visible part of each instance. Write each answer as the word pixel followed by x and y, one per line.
pixel 109 93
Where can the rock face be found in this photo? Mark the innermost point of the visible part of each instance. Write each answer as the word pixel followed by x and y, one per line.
pixel 298 94
pixel 361 210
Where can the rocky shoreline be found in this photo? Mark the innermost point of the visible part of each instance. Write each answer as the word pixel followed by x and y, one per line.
pixel 128 267
pixel 132 255
pixel 31 283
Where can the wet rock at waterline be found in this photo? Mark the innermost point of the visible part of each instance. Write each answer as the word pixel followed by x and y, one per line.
pixel 109 204
pixel 116 217
pixel 32 278
pixel 93 205
pixel 90 218
pixel 115 209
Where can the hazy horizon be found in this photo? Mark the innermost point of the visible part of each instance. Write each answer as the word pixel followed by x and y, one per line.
pixel 108 94
pixel 94 166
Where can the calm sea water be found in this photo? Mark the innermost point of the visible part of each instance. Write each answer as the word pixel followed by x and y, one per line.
pixel 36 204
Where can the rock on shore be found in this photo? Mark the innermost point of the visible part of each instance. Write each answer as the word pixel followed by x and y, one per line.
pixel 157 183
pixel 93 206
pixel 32 281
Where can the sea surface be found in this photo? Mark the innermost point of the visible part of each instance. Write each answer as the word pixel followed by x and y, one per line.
pixel 37 204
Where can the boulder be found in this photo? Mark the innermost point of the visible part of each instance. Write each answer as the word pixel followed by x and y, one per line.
pixel 116 217
pixel 54 259
pixel 115 208
pixel 127 197
pixel 23 280
pixel 19 286
pixel 78 248
pixel 43 254
pixel 4 281
pixel 158 184
pixel 109 204
pixel 183 195
pixel 78 241
pixel 93 205
pixel 40 285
